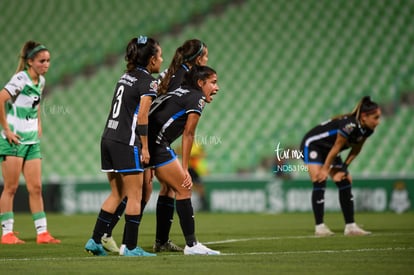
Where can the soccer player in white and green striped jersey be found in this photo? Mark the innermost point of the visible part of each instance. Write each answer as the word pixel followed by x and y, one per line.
pixel 19 141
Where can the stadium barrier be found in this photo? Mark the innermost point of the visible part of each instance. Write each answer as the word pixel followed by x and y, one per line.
pixel 238 195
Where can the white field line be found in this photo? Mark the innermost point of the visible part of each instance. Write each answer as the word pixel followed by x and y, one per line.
pixel 338 251
pixel 323 251
pixel 299 237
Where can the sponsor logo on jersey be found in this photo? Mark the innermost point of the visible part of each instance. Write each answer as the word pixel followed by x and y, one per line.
pixel 154 85
pixel 349 128
pixel 201 103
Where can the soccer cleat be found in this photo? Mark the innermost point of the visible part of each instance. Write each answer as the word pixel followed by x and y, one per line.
pixel 321 230
pixel 109 244
pixel 137 251
pixel 168 246
pixel 122 249
pixel 10 238
pixel 46 238
pixel 199 249
pixel 354 230
pixel 94 248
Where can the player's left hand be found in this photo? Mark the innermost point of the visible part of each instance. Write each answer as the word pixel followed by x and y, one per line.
pixel 188 182
pixel 145 156
pixel 322 175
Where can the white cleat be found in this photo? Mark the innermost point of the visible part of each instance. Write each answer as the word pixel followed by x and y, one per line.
pixel 321 230
pixel 199 249
pixel 109 244
pixel 353 229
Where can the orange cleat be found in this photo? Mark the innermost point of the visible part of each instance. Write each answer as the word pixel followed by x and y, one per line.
pixel 11 238
pixel 46 238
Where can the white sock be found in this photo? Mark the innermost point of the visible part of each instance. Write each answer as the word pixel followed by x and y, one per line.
pixel 7 226
pixel 40 225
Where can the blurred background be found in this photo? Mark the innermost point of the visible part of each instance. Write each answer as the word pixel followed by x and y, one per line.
pixel 283 67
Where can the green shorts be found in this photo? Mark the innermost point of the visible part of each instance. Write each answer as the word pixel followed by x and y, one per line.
pixel 25 151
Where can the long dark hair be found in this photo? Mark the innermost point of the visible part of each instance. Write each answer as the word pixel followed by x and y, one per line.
pixel 365 105
pixel 139 51
pixel 187 53
pixel 197 73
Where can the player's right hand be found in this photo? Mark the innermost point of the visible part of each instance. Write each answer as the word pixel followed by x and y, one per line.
pixel 12 137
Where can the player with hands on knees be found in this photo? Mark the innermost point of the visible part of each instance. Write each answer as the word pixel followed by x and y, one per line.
pixel 321 148
pixel 173 115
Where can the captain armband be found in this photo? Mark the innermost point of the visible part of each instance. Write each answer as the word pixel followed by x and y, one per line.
pixel 142 130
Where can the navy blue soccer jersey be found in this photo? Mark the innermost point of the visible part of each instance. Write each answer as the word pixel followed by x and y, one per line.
pixel 324 135
pixel 169 112
pixel 121 123
pixel 177 78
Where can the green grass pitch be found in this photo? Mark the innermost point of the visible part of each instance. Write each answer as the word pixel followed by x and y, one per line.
pixel 250 244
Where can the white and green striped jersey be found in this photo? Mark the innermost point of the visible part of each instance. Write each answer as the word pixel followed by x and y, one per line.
pixel 21 109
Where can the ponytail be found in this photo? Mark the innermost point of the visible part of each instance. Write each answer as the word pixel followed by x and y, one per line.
pixel 139 51
pixel 172 69
pixel 365 105
pixel 185 54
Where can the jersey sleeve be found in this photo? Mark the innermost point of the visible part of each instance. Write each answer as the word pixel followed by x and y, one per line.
pixel 347 127
pixel 195 103
pixel 16 84
pixel 149 87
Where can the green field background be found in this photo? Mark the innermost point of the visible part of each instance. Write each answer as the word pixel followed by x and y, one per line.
pixel 254 243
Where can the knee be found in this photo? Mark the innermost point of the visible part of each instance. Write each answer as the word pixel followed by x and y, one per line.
pixel 10 189
pixel 165 190
pixel 183 193
pixel 34 189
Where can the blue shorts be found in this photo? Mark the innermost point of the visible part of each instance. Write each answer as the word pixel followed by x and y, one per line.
pixel 316 155
pixel 160 155
pixel 119 157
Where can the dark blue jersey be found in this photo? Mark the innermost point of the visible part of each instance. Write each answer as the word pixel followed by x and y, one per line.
pixel 324 135
pixel 121 123
pixel 169 112
pixel 177 78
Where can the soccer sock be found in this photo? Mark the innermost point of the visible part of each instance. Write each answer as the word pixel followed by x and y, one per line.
pixel 346 200
pixel 165 213
pixel 318 201
pixel 143 204
pixel 40 222
pixel 117 216
pixel 102 225
pixel 131 230
pixel 186 215
pixel 7 221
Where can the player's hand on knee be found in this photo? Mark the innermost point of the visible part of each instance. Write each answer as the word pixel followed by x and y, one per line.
pixel 188 182
pixel 322 175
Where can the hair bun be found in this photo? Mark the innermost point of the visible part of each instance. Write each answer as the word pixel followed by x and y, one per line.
pixel 366 98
